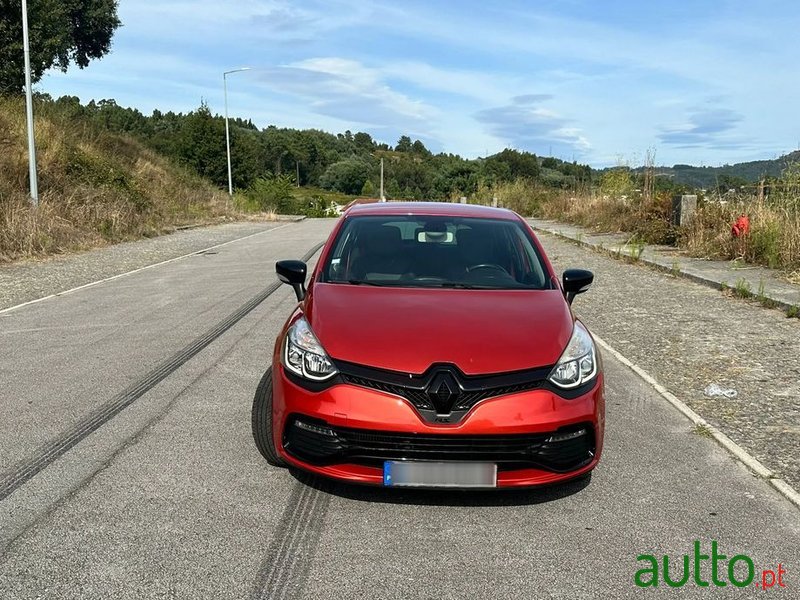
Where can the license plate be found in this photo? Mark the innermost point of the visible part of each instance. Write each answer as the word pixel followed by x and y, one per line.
pixel 402 473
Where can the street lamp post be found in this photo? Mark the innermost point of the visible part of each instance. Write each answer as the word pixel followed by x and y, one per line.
pixel 29 106
pixel 227 128
pixel 383 198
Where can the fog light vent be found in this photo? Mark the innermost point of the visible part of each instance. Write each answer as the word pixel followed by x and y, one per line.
pixel 563 437
pixel 314 428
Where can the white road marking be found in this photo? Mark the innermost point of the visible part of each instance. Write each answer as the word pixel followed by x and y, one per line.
pixel 723 440
pixel 158 264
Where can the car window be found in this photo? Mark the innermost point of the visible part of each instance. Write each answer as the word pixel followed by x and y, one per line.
pixel 435 251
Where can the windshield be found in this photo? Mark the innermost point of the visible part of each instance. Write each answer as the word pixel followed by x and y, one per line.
pixel 435 251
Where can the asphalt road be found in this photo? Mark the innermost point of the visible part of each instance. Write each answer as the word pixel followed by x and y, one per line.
pixel 127 469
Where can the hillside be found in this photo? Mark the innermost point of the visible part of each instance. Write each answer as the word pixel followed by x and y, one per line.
pixel 733 175
pixel 347 162
pixel 95 186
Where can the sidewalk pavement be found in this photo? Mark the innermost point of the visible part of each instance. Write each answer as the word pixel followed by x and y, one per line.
pixel 761 283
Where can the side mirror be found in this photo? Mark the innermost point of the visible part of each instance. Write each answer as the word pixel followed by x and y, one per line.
pixel 293 272
pixel 576 281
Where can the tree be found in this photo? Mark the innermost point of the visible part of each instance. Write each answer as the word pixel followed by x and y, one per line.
pixel 363 141
pixel 550 163
pixel 272 192
pixel 62 32
pixel 200 144
pixel 346 176
pixel 414 178
pixel 403 144
pixel 419 148
pixel 368 189
pixel 515 163
pixel 726 182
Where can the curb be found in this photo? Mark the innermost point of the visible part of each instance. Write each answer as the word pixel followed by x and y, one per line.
pixel 712 283
pixel 739 453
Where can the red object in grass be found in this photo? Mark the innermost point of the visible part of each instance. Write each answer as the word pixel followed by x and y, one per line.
pixel 741 226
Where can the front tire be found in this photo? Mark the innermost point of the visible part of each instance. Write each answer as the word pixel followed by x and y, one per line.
pixel 262 421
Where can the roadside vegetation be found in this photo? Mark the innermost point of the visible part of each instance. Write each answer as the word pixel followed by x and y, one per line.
pixel 280 195
pixel 110 173
pixel 96 187
pixel 622 200
pixel 774 236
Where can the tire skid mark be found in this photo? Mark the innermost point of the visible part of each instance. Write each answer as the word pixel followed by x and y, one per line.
pixel 284 571
pixel 295 574
pixel 25 470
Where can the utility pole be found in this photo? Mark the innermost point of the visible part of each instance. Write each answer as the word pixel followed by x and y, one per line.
pixel 297 162
pixel 227 128
pixel 383 198
pixel 29 107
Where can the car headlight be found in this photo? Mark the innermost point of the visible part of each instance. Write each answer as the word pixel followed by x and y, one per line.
pixel 578 363
pixel 304 356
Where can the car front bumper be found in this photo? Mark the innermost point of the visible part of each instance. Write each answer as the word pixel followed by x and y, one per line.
pixel 345 432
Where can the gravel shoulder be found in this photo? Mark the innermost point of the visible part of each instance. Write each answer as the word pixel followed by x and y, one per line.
pixel 689 336
pixel 28 280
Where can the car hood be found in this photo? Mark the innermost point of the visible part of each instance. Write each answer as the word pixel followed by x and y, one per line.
pixel 409 329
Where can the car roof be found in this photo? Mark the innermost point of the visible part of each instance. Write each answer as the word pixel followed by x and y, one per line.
pixel 445 209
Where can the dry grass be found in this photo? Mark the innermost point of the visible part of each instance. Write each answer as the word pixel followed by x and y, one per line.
pixel 647 220
pixel 95 188
pixel 773 241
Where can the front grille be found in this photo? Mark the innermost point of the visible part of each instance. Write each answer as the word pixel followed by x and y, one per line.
pixel 318 443
pixel 429 395
pixel 417 397
pixel 470 399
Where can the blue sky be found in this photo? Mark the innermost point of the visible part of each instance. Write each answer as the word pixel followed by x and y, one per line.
pixel 602 82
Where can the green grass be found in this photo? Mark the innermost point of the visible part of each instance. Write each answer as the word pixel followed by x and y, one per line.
pixel 702 431
pixel 636 249
pixel 742 288
pixel 762 298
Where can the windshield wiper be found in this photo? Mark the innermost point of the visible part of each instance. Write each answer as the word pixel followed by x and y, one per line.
pixel 477 286
pixel 457 285
pixel 463 286
pixel 363 282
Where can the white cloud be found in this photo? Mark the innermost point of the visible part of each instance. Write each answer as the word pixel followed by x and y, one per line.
pixel 427 69
pixel 526 126
pixel 350 91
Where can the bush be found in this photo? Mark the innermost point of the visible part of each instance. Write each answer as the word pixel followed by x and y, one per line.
pixel 523 196
pixel 617 183
pixel 346 176
pixel 272 193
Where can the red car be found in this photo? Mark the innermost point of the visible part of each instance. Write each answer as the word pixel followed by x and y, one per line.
pixel 433 347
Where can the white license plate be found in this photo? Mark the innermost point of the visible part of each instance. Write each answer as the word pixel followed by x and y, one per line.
pixel 402 473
